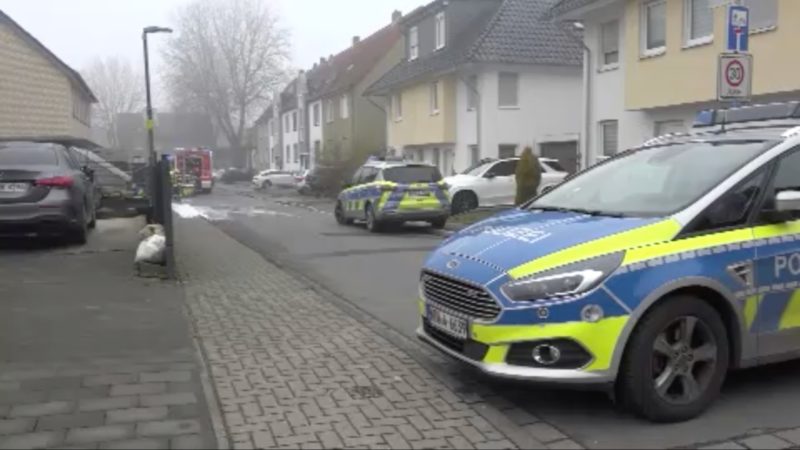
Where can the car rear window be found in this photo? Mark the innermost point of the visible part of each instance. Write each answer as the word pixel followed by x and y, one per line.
pixel 412 174
pixel 27 155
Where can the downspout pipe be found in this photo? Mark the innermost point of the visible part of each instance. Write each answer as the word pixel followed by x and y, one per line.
pixel 586 157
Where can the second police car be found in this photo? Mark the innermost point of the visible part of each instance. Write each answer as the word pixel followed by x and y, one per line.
pixel 392 191
pixel 651 274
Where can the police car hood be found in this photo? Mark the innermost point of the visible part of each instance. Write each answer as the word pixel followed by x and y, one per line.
pixel 496 245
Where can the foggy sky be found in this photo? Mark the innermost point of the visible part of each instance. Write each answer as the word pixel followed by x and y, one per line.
pixel 80 30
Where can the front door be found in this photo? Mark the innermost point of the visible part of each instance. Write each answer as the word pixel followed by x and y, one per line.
pixel 777 267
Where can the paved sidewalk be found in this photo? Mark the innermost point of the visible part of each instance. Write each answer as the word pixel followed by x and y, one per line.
pixel 293 370
pixel 91 356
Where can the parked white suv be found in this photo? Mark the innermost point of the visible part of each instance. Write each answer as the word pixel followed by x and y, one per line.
pixel 492 183
pixel 269 178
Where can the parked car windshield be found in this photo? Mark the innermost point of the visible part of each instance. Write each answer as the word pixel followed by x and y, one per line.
pixel 655 181
pixel 555 165
pixel 412 174
pixel 27 155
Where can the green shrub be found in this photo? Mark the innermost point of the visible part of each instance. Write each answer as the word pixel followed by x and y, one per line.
pixel 529 176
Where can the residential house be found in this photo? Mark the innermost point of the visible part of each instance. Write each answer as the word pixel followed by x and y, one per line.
pixel 40 95
pixel 267 140
pixel 352 125
pixel 653 63
pixel 483 78
pixel 295 153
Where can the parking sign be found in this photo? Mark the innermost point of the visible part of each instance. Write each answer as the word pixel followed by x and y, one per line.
pixel 735 80
pixel 738 28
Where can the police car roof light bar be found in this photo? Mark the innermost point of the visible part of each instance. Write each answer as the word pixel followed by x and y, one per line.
pixel 770 111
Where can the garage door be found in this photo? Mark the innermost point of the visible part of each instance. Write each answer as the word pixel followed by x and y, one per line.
pixel 565 152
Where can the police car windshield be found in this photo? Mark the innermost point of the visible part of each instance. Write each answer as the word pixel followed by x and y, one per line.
pixel 656 181
pixel 412 174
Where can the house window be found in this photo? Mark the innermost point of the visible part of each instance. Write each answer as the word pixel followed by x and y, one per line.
pixel 669 127
pixel 317 150
pixel 609 134
pixel 653 25
pixel 472 95
pixel 441 31
pixel 329 111
pixel 508 90
pixel 397 106
pixel 507 151
pixel 435 97
pixel 474 155
pixel 288 153
pixel 609 36
pixel 294 121
pixel 763 14
pixel 344 106
pixel 296 155
pixel 698 22
pixel 413 43
pixel 286 123
pixel 316 114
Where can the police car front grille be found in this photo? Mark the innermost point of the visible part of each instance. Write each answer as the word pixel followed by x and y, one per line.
pixel 459 297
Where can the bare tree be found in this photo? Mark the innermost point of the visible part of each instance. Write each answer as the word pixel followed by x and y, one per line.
pixel 118 88
pixel 226 58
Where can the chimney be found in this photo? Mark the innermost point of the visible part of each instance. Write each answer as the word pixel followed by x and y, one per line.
pixel 315 65
pixel 356 40
pixel 321 60
pixel 396 16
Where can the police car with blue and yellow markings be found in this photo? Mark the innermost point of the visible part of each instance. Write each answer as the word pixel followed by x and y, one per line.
pixel 390 190
pixel 651 274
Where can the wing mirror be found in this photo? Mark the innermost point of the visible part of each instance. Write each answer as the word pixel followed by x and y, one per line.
pixel 89 172
pixel 490 175
pixel 787 203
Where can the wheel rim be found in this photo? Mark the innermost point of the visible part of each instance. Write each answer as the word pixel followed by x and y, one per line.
pixel 684 360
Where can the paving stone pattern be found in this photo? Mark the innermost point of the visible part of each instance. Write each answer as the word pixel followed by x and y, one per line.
pixel 291 370
pixel 765 439
pixel 133 402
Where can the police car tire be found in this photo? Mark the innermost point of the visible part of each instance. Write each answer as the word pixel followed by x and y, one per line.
pixel 376 226
pixel 635 384
pixel 339 214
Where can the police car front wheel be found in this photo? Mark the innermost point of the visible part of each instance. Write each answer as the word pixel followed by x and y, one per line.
pixel 339 214
pixel 676 361
pixel 373 224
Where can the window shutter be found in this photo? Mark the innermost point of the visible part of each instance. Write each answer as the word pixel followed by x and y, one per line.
pixel 610 137
pixel 763 13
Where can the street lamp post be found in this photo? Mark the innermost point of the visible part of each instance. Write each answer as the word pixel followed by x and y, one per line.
pixel 151 146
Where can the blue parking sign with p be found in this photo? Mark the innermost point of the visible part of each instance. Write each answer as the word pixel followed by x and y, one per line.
pixel 738 28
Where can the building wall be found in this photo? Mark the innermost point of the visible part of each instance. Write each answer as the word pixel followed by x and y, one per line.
pixel 549 111
pixel 691 73
pixel 36 98
pixel 290 139
pixel 418 126
pixel 338 135
pixel 370 113
pixel 315 132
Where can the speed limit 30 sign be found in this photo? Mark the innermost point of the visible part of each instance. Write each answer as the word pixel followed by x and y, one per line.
pixel 735 80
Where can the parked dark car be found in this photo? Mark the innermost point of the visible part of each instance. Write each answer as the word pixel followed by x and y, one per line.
pixel 45 191
pixel 321 180
pixel 235 175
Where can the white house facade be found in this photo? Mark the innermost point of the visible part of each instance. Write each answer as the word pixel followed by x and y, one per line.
pixel 315 124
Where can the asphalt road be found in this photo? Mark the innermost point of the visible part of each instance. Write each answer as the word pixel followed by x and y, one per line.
pixel 379 273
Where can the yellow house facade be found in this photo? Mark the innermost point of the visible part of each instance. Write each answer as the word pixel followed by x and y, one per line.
pixel 652 64
pixel 423 114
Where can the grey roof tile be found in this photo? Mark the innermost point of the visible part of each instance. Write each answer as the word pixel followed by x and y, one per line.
pixel 516 34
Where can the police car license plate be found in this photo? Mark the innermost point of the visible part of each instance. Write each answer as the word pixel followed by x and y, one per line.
pixel 418 193
pixel 450 324
pixel 13 188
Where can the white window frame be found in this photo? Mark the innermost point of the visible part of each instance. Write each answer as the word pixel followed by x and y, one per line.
pixel 413 43
pixel 441 31
pixel 499 89
pixel 643 28
pixel 397 106
pixel 688 41
pixel 603 65
pixel 329 116
pixel 344 107
pixel 764 28
pixel 434 97
pixel 602 125
pixel 472 95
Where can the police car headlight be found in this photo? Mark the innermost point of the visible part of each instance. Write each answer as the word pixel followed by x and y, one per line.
pixel 565 281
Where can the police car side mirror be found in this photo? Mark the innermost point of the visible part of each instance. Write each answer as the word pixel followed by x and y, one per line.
pixel 787 201
pixel 490 175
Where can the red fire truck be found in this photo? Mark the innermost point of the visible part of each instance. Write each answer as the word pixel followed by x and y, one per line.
pixel 194 167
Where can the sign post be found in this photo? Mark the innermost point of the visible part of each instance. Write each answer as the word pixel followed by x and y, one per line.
pixel 735 77
pixel 735 67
